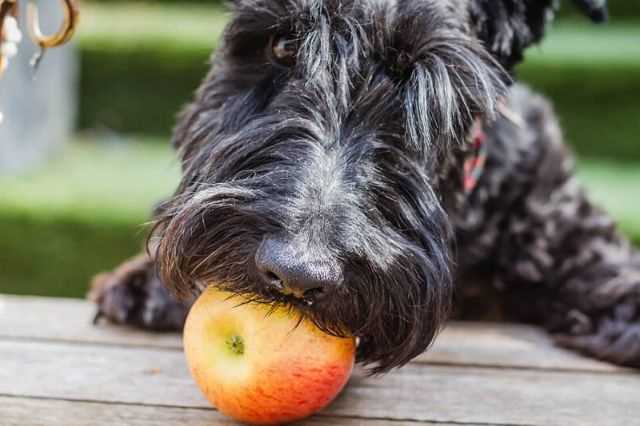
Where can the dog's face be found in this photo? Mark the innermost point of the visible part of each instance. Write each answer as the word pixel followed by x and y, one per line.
pixel 322 151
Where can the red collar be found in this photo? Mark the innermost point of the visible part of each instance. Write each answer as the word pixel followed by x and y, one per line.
pixel 477 158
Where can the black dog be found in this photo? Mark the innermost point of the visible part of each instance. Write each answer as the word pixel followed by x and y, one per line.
pixel 356 158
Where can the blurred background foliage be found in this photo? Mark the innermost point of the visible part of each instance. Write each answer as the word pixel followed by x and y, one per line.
pixel 85 211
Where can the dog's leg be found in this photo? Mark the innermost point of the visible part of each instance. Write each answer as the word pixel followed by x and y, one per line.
pixel 564 265
pixel 559 259
pixel 133 294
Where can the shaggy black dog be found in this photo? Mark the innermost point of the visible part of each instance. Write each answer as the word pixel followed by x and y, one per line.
pixel 370 161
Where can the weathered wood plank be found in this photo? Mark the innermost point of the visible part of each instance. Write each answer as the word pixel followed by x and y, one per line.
pixel 47 412
pixel 517 346
pixel 69 320
pixel 417 392
pixel 506 345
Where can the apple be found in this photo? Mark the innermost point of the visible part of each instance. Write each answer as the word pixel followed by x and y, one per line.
pixel 263 365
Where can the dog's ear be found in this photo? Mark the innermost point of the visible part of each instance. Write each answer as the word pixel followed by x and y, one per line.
pixel 508 27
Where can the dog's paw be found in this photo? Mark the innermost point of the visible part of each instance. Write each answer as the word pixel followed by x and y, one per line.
pixel 133 294
pixel 616 340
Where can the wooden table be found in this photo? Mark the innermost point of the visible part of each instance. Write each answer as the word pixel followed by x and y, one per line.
pixel 56 368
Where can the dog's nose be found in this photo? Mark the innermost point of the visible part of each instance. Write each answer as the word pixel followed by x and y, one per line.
pixel 288 269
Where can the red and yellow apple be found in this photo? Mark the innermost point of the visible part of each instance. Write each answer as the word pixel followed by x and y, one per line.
pixel 260 365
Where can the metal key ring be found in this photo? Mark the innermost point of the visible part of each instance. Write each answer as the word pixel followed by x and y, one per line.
pixel 69 24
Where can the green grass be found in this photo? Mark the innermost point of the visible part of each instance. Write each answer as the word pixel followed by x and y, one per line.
pixel 115 180
pixel 581 43
pixel 615 187
pixel 133 25
pixel 85 211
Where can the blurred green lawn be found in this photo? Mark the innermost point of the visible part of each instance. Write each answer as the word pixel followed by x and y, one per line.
pixel 131 25
pixel 85 211
pixel 109 180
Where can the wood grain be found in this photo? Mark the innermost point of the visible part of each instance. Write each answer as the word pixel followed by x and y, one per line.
pixel 70 320
pixel 47 412
pixel 506 345
pixel 475 344
pixel 418 392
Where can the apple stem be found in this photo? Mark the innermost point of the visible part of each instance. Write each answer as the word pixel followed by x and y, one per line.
pixel 236 345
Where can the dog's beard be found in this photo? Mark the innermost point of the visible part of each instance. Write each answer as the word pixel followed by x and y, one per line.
pixel 394 304
pixel 245 159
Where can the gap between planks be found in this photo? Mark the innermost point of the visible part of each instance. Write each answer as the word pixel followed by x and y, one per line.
pixel 20 411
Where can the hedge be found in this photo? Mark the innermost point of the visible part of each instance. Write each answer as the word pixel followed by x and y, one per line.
pixel 57 255
pixel 137 91
pixel 136 84
pixel 598 105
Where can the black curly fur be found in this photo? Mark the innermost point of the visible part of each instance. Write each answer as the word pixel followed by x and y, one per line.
pixel 354 153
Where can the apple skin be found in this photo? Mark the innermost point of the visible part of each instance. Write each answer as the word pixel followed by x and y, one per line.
pixel 260 365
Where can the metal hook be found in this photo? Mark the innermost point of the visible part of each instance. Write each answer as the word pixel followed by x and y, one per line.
pixel 71 15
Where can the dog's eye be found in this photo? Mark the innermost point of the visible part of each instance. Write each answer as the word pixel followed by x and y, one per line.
pixel 284 50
